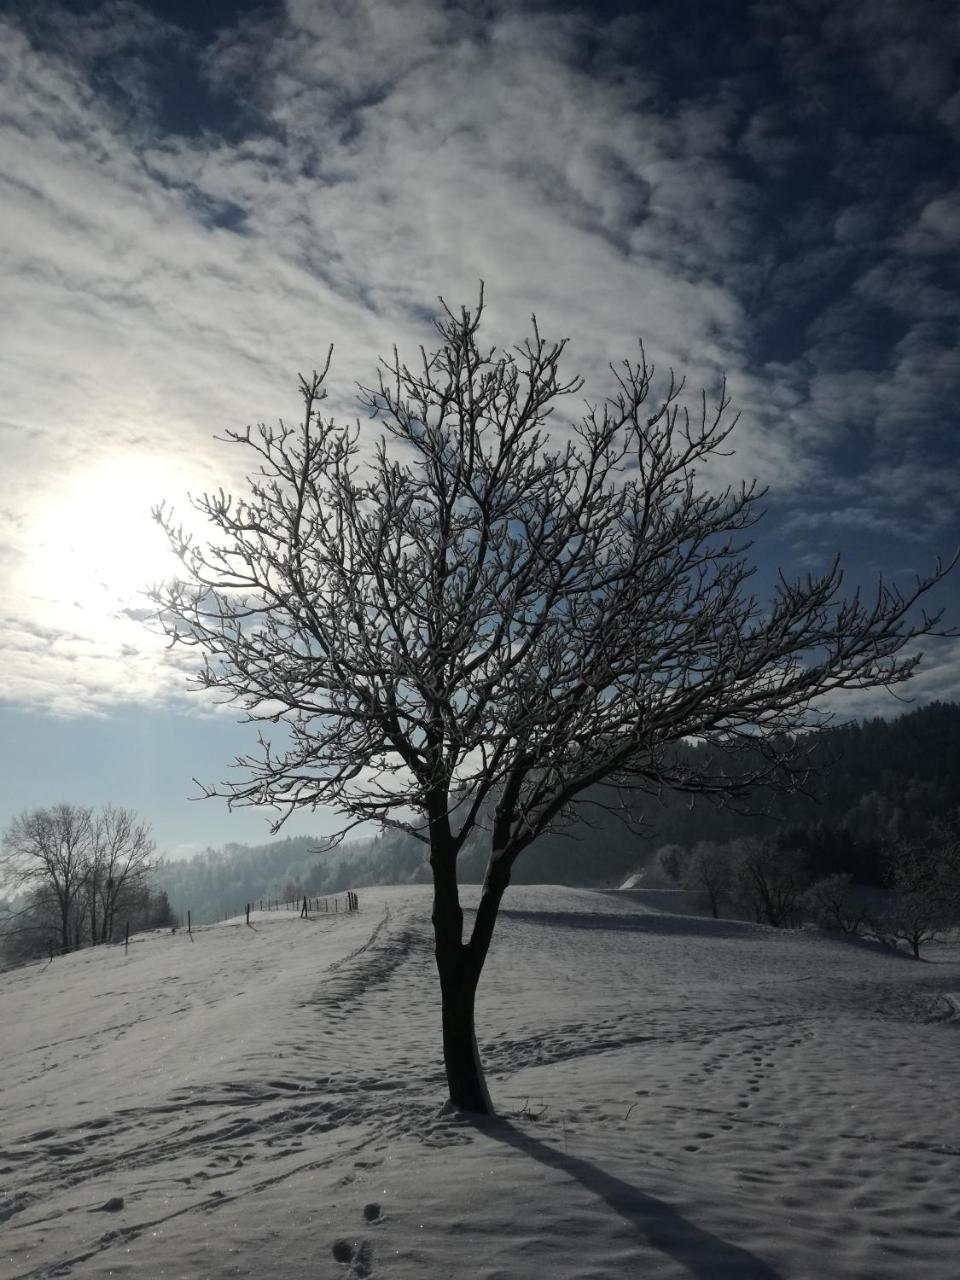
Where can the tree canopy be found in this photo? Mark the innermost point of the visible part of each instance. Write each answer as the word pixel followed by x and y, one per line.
pixel 467 622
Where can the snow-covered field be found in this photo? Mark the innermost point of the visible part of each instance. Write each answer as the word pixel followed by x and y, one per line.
pixel 679 1097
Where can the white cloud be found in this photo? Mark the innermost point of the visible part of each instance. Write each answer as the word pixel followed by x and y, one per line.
pixel 936 679
pixel 937 229
pixel 392 152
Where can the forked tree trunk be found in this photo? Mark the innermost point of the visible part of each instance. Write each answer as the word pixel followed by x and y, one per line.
pixel 459 966
pixel 459 978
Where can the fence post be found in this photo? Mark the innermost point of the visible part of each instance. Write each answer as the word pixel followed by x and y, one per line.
pixel 248 913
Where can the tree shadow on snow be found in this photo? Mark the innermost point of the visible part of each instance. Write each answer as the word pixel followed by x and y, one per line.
pixel 705 1255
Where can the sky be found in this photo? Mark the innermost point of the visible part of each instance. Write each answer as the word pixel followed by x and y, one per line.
pixel 196 200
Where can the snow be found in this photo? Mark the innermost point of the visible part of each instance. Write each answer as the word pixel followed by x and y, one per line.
pixel 677 1096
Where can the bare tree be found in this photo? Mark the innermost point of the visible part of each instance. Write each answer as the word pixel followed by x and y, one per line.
pixel 464 618
pixel 924 877
pixel 711 870
pixel 831 904
pixel 47 853
pixel 771 882
pixel 121 859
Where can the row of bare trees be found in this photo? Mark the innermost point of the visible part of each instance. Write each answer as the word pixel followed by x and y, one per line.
pixel 774 886
pixel 74 871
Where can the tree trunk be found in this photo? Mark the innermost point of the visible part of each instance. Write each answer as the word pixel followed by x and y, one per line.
pixel 459 966
pixel 459 977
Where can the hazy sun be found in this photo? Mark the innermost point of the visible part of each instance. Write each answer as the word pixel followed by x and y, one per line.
pixel 94 543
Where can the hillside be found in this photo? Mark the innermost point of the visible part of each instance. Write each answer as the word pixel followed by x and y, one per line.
pixel 677 1097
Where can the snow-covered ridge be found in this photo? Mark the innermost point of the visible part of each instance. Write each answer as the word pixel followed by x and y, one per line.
pixel 678 1097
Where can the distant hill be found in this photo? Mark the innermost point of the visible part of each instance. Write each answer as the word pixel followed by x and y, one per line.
pixel 867 781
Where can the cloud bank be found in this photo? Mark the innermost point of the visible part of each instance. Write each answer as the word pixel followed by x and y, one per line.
pixel 192 213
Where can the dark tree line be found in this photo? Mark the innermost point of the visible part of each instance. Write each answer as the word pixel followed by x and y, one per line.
pixel 867 785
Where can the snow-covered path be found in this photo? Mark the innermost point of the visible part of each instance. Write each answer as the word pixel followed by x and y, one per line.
pixel 678 1097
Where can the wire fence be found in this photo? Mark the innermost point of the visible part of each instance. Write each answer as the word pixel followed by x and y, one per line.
pixel 309 904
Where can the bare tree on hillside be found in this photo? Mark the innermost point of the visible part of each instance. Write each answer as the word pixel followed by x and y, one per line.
pixel 47 852
pixel 711 870
pixel 772 882
pixel 830 902
pixel 924 876
pixel 464 616
pixel 78 865
pixel 121 860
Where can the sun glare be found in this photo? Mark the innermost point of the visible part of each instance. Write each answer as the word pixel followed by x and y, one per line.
pixel 94 543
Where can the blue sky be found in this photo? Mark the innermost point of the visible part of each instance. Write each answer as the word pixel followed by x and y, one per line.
pixel 196 199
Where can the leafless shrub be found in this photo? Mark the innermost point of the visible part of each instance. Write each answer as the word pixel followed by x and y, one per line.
pixel 829 903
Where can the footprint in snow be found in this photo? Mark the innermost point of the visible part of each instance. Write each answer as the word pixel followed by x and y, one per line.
pixel 113 1205
pixel 354 1253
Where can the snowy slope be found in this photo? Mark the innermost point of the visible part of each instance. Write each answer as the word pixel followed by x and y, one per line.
pixel 678 1097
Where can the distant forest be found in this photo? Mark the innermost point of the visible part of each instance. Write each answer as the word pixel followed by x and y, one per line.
pixel 869 784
